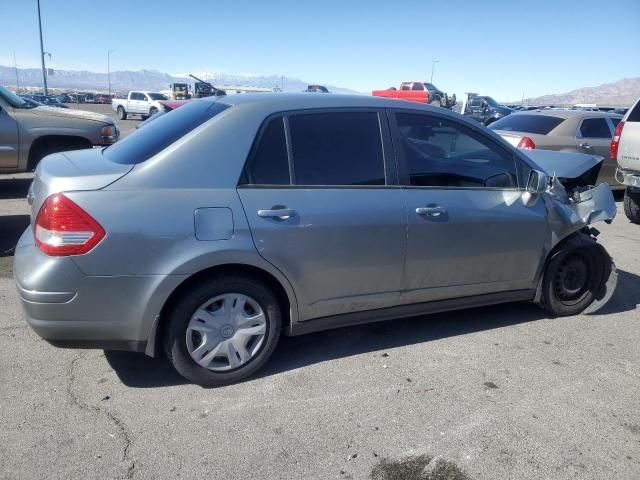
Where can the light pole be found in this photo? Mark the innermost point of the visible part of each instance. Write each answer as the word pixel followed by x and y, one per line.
pixel 433 66
pixel 44 71
pixel 109 70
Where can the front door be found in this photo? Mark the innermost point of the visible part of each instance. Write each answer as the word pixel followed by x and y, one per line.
pixel 9 140
pixel 469 231
pixel 321 210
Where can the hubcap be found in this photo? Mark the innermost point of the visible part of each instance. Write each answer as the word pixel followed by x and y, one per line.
pixel 226 332
pixel 572 278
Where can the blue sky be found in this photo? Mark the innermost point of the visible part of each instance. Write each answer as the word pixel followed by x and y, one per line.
pixel 500 48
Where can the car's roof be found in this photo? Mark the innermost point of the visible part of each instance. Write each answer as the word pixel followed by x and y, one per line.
pixel 298 101
pixel 568 113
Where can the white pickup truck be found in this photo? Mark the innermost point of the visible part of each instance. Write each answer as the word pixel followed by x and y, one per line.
pixel 138 103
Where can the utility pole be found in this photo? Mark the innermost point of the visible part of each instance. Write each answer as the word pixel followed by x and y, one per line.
pixel 15 64
pixel 109 70
pixel 433 66
pixel 44 70
pixel 282 83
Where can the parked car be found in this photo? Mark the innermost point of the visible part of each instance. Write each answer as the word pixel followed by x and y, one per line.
pixel 484 109
pixel 317 88
pixel 418 92
pixel 50 101
pixel 29 131
pixel 223 229
pixel 138 103
pixel 103 98
pixel 625 148
pixel 566 131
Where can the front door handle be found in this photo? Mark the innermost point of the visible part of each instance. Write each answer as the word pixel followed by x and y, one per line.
pixel 278 213
pixel 432 211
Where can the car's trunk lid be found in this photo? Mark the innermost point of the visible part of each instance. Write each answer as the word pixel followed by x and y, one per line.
pixel 69 171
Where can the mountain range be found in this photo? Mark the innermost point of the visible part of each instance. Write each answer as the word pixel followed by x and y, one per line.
pixel 123 81
pixel 621 93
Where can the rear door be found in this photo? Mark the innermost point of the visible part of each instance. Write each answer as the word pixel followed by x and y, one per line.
pixel 9 140
pixel 594 136
pixel 469 231
pixel 321 197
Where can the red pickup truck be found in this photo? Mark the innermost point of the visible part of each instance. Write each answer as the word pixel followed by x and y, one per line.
pixel 419 92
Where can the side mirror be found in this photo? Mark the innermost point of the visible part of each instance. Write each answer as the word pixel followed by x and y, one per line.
pixel 537 182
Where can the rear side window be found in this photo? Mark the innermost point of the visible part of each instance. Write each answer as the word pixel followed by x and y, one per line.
pixel 540 124
pixel 145 142
pixel 595 128
pixel 269 164
pixel 342 148
pixel 634 116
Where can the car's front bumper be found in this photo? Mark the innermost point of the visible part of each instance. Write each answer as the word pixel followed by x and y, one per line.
pixel 70 309
pixel 626 177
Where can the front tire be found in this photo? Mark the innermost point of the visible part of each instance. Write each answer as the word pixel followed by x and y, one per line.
pixel 632 204
pixel 574 276
pixel 122 115
pixel 223 330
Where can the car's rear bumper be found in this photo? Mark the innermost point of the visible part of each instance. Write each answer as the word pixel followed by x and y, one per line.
pixel 70 309
pixel 629 178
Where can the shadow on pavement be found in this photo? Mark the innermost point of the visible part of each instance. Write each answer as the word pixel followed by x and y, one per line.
pixel 14 187
pixel 11 227
pixel 626 296
pixel 140 371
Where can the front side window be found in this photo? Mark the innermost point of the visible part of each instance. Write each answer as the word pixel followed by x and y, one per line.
pixel 337 148
pixel 269 164
pixel 442 153
pixel 595 128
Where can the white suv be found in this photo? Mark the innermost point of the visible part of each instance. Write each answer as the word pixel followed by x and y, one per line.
pixel 625 148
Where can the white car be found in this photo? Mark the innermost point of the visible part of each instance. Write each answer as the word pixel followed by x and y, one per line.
pixel 141 103
pixel 625 148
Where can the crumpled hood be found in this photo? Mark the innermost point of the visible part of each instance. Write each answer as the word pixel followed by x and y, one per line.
pixel 71 113
pixel 563 164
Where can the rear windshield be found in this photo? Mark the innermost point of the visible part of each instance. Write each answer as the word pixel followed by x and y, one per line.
pixel 540 124
pixel 145 142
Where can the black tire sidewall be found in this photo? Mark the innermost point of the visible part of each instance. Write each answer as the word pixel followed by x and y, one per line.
pixel 632 204
pixel 121 113
pixel 182 311
pixel 550 300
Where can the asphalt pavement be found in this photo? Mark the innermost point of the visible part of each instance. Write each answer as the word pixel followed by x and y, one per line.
pixel 501 392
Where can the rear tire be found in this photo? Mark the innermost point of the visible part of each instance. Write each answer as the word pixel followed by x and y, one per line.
pixel 632 204
pixel 122 115
pixel 152 111
pixel 573 276
pixel 184 342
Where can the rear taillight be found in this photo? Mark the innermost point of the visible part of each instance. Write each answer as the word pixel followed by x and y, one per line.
pixel 63 228
pixel 526 143
pixel 615 143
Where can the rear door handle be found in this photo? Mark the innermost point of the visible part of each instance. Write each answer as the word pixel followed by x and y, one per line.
pixel 586 146
pixel 279 213
pixel 432 211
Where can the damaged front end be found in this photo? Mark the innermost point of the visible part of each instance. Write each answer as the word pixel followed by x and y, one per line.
pixel 565 182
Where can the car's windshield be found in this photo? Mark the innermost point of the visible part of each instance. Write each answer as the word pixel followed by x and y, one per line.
pixel 491 101
pixel 540 124
pixel 157 96
pixel 14 100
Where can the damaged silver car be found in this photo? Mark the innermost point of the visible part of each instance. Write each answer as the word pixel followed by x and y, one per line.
pixel 232 220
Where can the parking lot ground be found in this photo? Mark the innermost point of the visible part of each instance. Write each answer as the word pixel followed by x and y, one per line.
pixel 503 392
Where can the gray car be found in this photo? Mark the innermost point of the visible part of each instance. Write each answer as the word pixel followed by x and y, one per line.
pixel 231 220
pixel 565 131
